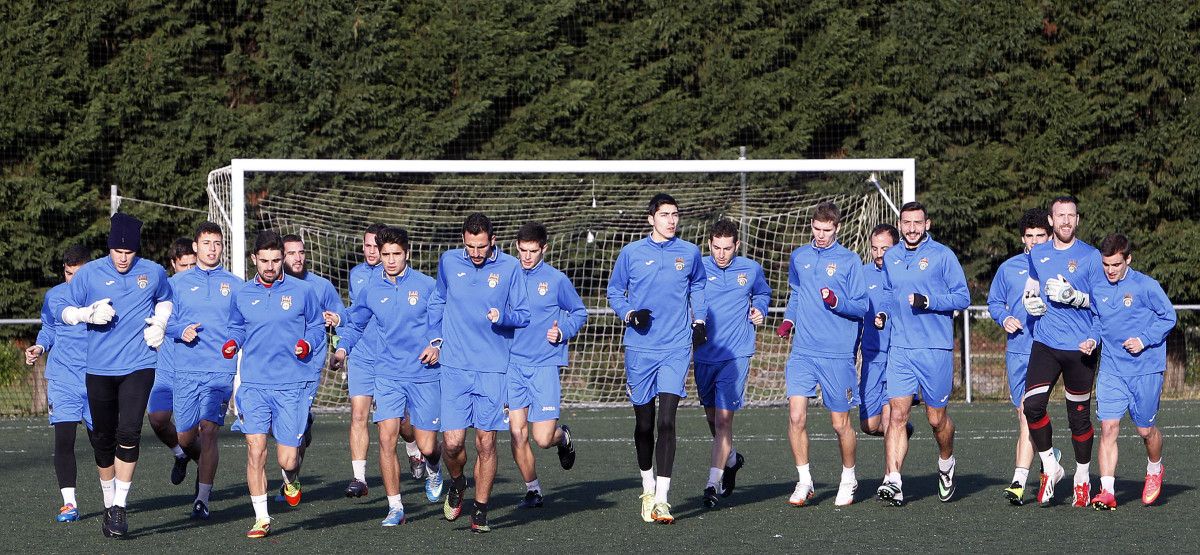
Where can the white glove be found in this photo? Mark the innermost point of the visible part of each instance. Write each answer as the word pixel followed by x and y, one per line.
pixel 156 326
pixel 1060 290
pixel 1033 304
pixel 99 313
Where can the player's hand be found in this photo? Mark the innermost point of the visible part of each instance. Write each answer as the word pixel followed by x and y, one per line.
pixel 1133 345
pixel 1012 325
pixel 756 316
pixel 229 349
pixel 699 333
pixel 101 312
pixel 493 315
pixel 554 335
pixel 784 329
pixel 430 355
pixel 1034 304
pixel 640 320
pixel 880 320
pixel 32 354
pixel 302 349
pixel 1087 346
pixel 331 318
pixel 339 359
pixel 191 332
pixel 154 332
pixel 918 301
pixel 829 297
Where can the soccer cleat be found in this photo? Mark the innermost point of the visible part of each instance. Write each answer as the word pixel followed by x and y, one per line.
pixel 710 497
pixel 1083 494
pixel 68 513
pixel 261 529
pixel 945 485
pixel 395 517
pixel 416 465
pixel 566 453
pixel 1046 489
pixel 1015 493
pixel 801 495
pixel 479 523
pixel 532 500
pixel 291 492
pixel 729 479
pixel 433 484
pixel 356 488
pixel 845 494
pixel 1104 501
pixel 1153 487
pixel 454 502
pixel 115 524
pixel 662 513
pixel 179 470
pixel 648 506
pixel 890 493
pixel 200 510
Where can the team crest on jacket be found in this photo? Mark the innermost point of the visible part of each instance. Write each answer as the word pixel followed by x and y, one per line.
pixel 1071 265
pixel 225 289
pixel 742 279
pixel 543 287
pixel 143 280
pixel 924 263
pixel 412 297
pixel 285 302
pixel 1128 300
pixel 493 280
pixel 831 269
pixel 679 264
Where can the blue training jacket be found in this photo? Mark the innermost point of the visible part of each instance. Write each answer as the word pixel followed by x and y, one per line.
pixel 873 340
pixel 266 322
pixel 400 312
pixel 460 305
pixel 360 276
pixel 1005 298
pixel 820 330
pixel 202 297
pixel 667 278
pixel 552 298
pixel 1064 326
pixel 1135 306
pixel 66 346
pixel 729 293
pixel 932 270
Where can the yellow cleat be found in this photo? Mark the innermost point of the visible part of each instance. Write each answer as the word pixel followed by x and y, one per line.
pixel 648 506
pixel 261 529
pixel 662 513
pixel 291 492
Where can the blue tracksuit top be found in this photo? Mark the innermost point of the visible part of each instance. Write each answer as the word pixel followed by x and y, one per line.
pixel 400 312
pixel 1135 306
pixel 327 295
pixel 165 363
pixel 820 330
pixel 66 346
pixel 667 278
pixel 1064 326
pixel 360 276
pixel 460 305
pixel 932 270
pixel 729 293
pixel 202 297
pixel 873 340
pixel 266 323
pixel 1005 298
pixel 552 298
pixel 118 348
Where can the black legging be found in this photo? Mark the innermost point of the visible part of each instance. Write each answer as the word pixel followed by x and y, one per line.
pixel 118 405
pixel 1078 372
pixel 64 453
pixel 643 434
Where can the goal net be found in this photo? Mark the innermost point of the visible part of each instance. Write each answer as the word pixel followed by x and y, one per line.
pixel 591 210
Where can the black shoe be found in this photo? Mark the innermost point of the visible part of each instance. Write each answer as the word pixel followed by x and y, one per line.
pixel 710 497
pixel 452 509
pixel 479 523
pixel 356 488
pixel 200 510
pixel 566 453
pixel 533 499
pixel 115 523
pixel 729 480
pixel 179 471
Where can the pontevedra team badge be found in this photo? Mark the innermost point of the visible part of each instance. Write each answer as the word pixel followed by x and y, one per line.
pixel 1128 300
pixel 742 279
pixel 143 280
pixel 412 297
pixel 285 302
pixel 493 280
pixel 224 289
pixel 831 269
pixel 1071 265
pixel 543 287
pixel 924 263
pixel 679 264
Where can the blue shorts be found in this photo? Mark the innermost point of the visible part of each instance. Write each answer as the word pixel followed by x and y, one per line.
pixel 872 384
pixel 928 371
pixel 535 387
pixel 1017 366
pixel 722 385
pixel 422 402
pixel 160 394
pixel 280 412
pixel 67 401
pixel 201 396
pixel 472 399
pixel 1137 394
pixel 360 377
pixel 648 373
pixel 836 376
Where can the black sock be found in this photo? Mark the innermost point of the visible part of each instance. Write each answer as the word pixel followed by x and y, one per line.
pixel 481 509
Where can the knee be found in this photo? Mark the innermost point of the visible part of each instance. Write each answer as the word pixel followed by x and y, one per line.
pixel 937 419
pixel 1034 408
pixel 358 417
pixel 452 446
pixel 898 417
pixel 545 440
pixel 797 420
pixel 1145 433
pixel 485 448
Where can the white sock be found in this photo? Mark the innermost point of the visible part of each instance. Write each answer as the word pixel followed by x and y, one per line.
pixel 1154 467
pixel 662 485
pixel 109 489
pixel 69 496
pixel 805 476
pixel 260 507
pixel 732 458
pixel 945 465
pixel 121 495
pixel 360 470
pixel 394 502
pixel 411 447
pixel 203 491
pixel 1049 463
pixel 848 474
pixel 1108 483
pixel 284 473
pixel 1020 475
pixel 1081 473
pixel 647 481
pixel 535 485
pixel 714 477
pixel 894 477
pixel 178 451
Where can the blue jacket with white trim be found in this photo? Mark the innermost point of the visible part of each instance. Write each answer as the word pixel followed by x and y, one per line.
pixel 821 330
pixel 1006 298
pixel 460 305
pixel 65 345
pixel 360 276
pixel 1135 306
pixel 552 298
pixel 400 311
pixel 1064 326
pixel 667 278
pixel 873 340
pixel 931 269
pixel 266 322
pixel 204 297
pixel 729 293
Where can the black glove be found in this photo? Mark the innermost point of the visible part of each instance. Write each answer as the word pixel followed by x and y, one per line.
pixel 640 319
pixel 880 320
pixel 920 301
pixel 699 334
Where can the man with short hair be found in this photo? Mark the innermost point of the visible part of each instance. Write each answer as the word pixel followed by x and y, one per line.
pixel 1062 273
pixel 1007 308
pixel 480 299
pixel 125 301
pixel 1135 317
pixel 556 314
pixel 159 407
pixel 827 298
pixel 196 331
pixel 407 378
pixel 277 324
pixel 873 411
pixel 657 289
pixel 66 395
pixel 737 296
pixel 925 285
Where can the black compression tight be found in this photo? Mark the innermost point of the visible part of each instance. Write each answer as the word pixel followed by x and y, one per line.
pixel 662 452
pixel 64 453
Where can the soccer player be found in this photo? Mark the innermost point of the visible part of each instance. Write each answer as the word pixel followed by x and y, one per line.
pixel 125 301
pixel 480 299
pixel 66 395
pixel 657 289
pixel 277 323
pixel 827 297
pixel 1135 317
pixel 737 295
pixel 926 285
pixel 203 382
pixel 1062 273
pixel 407 378
pixel 556 314
pixel 1007 308
pixel 873 410
pixel 183 258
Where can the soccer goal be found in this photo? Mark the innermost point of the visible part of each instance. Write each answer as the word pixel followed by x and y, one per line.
pixel 591 209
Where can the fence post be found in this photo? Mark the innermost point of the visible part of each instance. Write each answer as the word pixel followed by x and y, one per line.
pixel 967 351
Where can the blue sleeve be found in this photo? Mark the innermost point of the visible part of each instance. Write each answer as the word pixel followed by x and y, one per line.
pixel 77 294
pixel 760 291
pixel 957 296
pixel 792 312
pixel 354 321
pixel 333 302
pixel 853 302
pixel 237 322
pixel 618 286
pixel 46 335
pixel 515 313
pixel 1164 322
pixel 175 327
pixel 164 292
pixel 437 302
pixel 1032 267
pixel 314 325
pixel 574 314
pixel 696 288
pixel 997 293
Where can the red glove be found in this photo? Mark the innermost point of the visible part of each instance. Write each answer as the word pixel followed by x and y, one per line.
pixel 229 349
pixel 302 349
pixel 829 297
pixel 784 329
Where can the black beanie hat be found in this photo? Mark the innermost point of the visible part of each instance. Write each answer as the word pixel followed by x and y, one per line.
pixel 125 232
